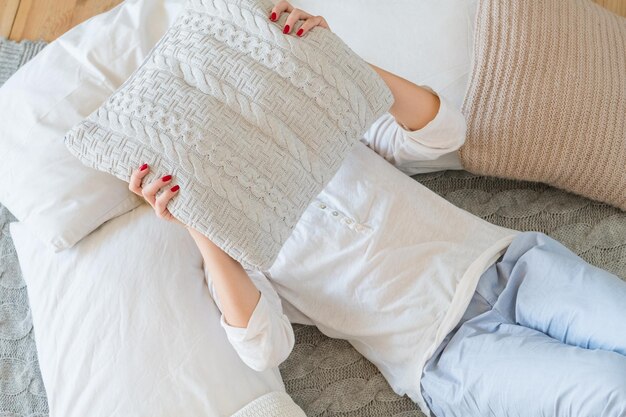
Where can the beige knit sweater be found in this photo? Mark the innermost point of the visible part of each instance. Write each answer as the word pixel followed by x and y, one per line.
pixel 547 96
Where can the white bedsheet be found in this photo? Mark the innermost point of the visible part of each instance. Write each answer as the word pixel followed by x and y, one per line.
pixel 125 325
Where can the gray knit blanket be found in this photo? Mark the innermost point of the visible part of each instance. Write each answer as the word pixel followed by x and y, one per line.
pixel 21 388
pixel 326 377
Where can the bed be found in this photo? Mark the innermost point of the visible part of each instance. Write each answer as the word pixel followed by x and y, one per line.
pixel 327 377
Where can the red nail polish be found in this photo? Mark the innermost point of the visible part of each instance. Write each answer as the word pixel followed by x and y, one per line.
pixel 143 167
pixel 273 16
pixel 174 188
pixel 286 29
pixel 299 33
pixel 166 178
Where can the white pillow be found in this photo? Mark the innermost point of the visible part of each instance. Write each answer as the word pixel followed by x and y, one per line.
pixel 125 325
pixel 425 41
pixel 54 194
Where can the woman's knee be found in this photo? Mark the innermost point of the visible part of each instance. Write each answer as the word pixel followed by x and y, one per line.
pixel 490 365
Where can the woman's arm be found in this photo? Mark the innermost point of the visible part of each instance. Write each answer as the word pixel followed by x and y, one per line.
pixel 252 314
pixel 253 320
pixel 414 106
pixel 421 132
pixel 238 296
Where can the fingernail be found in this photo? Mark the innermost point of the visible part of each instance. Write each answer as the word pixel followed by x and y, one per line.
pixel 286 29
pixel 144 166
pixel 299 33
pixel 174 188
pixel 273 16
pixel 166 178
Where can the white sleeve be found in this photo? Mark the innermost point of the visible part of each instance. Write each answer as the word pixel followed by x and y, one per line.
pixel 431 148
pixel 269 338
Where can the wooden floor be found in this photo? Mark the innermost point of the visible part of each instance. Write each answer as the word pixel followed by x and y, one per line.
pixel 48 19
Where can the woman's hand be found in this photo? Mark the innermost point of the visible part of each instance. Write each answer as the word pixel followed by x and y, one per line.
pixel 295 15
pixel 237 293
pixel 148 192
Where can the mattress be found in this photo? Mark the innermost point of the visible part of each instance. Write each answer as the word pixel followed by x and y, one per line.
pixel 326 377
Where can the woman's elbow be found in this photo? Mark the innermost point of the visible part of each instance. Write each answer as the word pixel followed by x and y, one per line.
pixel 267 361
pixel 259 364
pixel 271 355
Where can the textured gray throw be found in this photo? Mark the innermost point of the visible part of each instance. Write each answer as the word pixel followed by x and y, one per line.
pixel 327 377
pixel 251 123
pixel 22 393
pixel 15 54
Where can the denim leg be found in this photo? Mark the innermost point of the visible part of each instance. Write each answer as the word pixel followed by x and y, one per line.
pixel 563 296
pixel 499 369
pixel 552 345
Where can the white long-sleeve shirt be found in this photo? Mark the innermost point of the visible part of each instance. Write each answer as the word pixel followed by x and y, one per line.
pixel 377 258
pixel 269 338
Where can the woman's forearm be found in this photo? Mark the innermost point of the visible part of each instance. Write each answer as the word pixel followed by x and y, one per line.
pixel 414 106
pixel 238 296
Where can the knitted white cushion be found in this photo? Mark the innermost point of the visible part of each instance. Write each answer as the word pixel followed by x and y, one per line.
pixel 250 122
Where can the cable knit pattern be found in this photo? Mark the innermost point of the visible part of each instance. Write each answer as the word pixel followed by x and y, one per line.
pixel 547 96
pixel 251 123
pixel 22 393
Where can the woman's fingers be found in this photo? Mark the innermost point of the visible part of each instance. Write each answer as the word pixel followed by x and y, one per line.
pixel 149 191
pixel 295 15
pixel 311 23
pixel 321 22
pixel 281 6
pixel 160 205
pixel 293 18
pixel 134 184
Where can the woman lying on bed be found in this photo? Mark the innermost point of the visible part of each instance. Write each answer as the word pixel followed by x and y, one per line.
pixel 467 318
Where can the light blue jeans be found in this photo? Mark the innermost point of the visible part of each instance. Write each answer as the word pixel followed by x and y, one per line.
pixel 544 335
